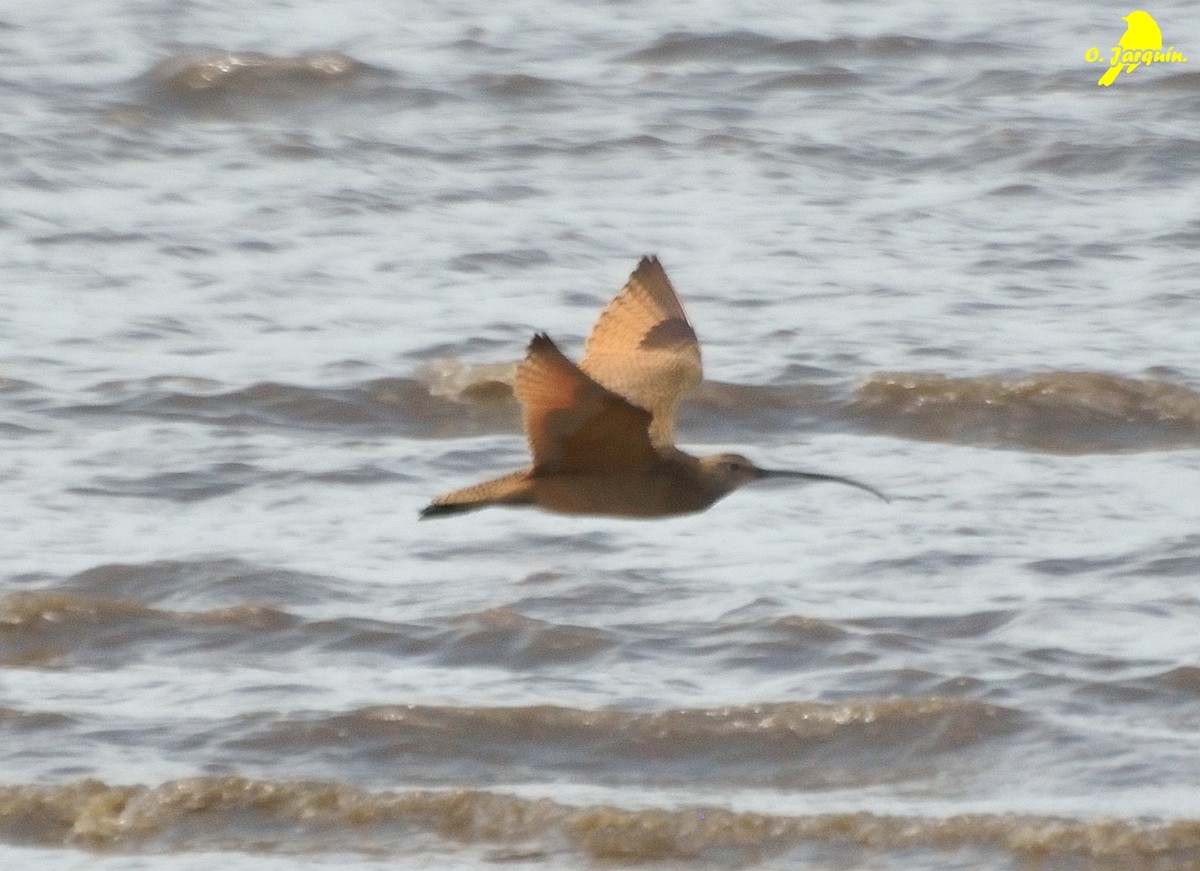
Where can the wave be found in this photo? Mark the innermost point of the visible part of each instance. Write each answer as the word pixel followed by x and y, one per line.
pixel 1060 412
pixel 315 818
pixel 420 408
pixel 110 615
pixel 231 83
pixel 447 398
pixel 88 622
pixel 60 629
pixel 114 613
pixel 1055 412
pixel 770 744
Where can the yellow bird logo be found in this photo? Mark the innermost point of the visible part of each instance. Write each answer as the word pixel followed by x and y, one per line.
pixel 1142 35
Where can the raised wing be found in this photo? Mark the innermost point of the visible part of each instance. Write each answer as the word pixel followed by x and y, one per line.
pixel 644 349
pixel 574 424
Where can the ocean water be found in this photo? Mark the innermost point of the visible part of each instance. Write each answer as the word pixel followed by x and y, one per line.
pixel 265 273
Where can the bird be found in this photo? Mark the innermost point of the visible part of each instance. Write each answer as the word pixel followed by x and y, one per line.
pixel 1141 34
pixel 601 433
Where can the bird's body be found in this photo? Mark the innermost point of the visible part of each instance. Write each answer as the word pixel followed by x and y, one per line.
pixel 1141 34
pixel 601 433
pixel 661 490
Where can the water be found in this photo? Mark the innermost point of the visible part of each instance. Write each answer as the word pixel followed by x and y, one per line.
pixel 260 307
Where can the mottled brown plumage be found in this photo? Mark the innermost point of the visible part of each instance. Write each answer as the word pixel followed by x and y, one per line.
pixel 601 433
pixel 643 348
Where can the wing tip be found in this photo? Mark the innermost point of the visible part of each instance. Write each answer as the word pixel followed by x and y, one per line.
pixel 648 263
pixel 540 346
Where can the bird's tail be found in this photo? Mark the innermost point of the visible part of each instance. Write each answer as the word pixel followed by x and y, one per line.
pixel 510 490
pixel 1111 75
pixel 445 509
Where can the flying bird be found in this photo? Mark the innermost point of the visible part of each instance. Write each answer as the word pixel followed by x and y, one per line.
pixel 601 434
pixel 1141 34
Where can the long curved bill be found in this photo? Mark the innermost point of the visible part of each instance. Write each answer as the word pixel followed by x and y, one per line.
pixel 817 476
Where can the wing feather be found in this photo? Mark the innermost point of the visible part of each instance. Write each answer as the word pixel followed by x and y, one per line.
pixel 643 348
pixel 573 423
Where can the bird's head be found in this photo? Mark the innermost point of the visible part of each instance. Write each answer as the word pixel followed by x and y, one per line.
pixel 724 473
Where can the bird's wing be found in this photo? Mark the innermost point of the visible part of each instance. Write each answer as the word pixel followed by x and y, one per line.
pixel 644 349
pixel 574 424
